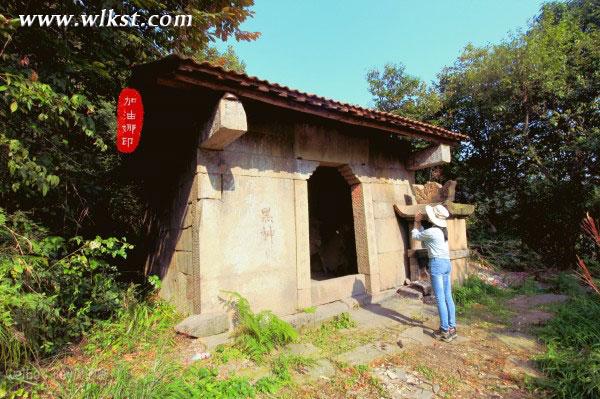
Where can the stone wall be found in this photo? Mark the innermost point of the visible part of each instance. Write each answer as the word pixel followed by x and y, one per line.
pixel 242 215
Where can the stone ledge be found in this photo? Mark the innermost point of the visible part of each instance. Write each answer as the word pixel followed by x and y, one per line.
pixel 204 325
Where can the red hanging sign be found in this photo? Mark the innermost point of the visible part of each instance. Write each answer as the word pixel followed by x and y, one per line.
pixel 130 119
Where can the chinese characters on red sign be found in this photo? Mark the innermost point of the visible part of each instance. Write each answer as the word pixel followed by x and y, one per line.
pixel 130 118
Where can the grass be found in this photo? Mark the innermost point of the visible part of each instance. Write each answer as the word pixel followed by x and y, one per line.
pixel 134 355
pixel 571 362
pixel 338 335
pixel 476 297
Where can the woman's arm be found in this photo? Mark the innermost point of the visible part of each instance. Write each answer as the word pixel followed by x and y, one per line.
pixel 417 232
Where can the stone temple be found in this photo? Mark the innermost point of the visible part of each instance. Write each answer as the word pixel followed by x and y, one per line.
pixel 291 199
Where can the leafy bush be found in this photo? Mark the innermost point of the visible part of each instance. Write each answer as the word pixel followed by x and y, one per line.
pixel 572 359
pixel 259 333
pixel 51 289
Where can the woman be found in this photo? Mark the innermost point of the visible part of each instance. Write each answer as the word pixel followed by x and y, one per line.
pixel 434 236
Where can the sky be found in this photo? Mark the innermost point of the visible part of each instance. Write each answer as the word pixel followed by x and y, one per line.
pixel 326 47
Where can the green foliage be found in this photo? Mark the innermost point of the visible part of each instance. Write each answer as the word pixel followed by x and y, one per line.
pixel 341 321
pixel 476 291
pixel 572 359
pixel 328 338
pixel 310 309
pixel 137 325
pixel 566 283
pixel 504 252
pixel 530 107
pixel 257 334
pixel 62 184
pixel 163 379
pixel 51 289
pixel 396 91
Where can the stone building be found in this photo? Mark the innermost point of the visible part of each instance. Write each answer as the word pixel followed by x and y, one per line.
pixel 285 197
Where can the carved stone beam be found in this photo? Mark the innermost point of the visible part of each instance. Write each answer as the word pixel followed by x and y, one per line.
pixel 455 209
pixel 226 125
pixel 429 157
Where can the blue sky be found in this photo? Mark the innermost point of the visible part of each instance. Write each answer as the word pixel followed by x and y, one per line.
pixel 326 47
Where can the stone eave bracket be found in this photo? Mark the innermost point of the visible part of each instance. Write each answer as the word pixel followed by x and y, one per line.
pixel 429 157
pixel 227 124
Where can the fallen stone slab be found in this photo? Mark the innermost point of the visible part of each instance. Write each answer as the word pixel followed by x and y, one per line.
pixel 322 370
pixel 303 349
pixel 408 292
pixel 516 367
pixel 518 340
pixel 367 353
pixel 204 325
pixel 531 317
pixel 423 286
pixel 416 336
pixel 532 301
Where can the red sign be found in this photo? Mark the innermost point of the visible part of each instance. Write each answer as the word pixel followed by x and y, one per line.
pixel 130 119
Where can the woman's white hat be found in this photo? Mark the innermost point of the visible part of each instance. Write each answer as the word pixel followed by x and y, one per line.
pixel 437 215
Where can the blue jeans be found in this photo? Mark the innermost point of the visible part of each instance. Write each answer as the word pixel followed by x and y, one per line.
pixel 440 282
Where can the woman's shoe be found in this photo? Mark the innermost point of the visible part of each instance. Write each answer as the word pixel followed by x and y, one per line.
pixel 444 335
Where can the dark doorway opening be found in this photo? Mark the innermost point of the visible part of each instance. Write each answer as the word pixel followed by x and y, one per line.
pixel 331 225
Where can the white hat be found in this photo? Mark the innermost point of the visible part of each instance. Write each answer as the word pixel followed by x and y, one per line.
pixel 437 215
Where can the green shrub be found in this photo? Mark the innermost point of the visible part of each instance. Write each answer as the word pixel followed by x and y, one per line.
pixel 51 289
pixel 572 359
pixel 259 333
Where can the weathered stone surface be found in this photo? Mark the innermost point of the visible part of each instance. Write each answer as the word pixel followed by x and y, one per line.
pixel 415 335
pixel 518 340
pixel 227 124
pixel 367 353
pixel 429 157
pixel 516 367
pixel 409 292
pixel 330 290
pixel 303 349
pixel 423 286
pixel 203 325
pixel 323 369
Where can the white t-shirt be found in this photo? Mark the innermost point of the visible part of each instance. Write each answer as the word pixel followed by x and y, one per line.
pixel 433 239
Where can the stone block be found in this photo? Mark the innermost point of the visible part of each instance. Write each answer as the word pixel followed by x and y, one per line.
pixel 383 210
pixel 204 324
pixel 389 237
pixel 391 269
pixel 209 185
pixel 429 157
pixel 226 125
pixel 409 292
pixel 334 289
pixel 184 262
pixel 184 241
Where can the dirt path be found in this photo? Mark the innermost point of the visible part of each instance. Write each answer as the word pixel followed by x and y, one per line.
pixel 390 353
pixel 490 359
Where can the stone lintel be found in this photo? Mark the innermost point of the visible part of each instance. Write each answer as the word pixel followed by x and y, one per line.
pixel 429 157
pixel 227 124
pixel 455 209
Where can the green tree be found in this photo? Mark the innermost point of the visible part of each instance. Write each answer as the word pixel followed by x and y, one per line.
pixel 62 183
pixel 530 106
pixel 396 91
pixel 57 103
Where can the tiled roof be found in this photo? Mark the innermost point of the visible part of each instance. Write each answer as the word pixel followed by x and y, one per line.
pixel 184 72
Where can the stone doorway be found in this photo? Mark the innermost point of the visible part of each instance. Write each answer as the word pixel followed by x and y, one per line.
pixel 331 225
